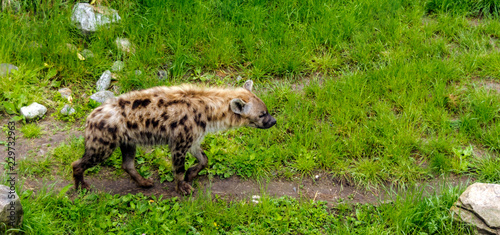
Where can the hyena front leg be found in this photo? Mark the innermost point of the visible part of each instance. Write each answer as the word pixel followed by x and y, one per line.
pixel 128 156
pixel 179 151
pixel 202 163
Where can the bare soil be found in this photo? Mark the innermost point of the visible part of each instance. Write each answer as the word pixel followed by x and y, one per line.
pixel 322 187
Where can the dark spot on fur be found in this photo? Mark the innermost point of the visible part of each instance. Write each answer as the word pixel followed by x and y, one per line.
pixel 173 125
pixel 112 146
pixel 101 124
pixel 94 139
pixel 123 114
pixel 183 120
pixel 131 125
pixel 163 128
pixel 148 122
pixel 111 129
pixel 172 102
pixel 103 141
pixel 160 103
pixel 146 134
pixel 187 129
pixel 203 125
pixel 155 123
pixel 164 115
pixel 122 103
pixel 143 103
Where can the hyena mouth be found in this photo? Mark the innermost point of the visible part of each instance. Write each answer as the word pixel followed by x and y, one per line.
pixel 270 122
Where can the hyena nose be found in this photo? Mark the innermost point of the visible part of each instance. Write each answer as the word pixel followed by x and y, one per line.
pixel 270 123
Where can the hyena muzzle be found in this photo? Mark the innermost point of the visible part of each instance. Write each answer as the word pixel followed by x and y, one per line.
pixel 177 116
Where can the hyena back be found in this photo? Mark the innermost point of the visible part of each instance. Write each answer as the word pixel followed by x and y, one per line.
pixel 177 116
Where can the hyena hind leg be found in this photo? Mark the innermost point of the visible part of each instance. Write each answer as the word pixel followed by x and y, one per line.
pixel 202 163
pixel 89 159
pixel 128 156
pixel 179 157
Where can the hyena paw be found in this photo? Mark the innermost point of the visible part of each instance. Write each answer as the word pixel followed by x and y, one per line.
pixel 146 183
pixel 184 188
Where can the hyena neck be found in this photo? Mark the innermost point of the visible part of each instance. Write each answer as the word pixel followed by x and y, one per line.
pixel 220 117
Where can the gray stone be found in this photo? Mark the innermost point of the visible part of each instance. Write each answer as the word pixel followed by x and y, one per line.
pixel 117 66
pixel 162 74
pixel 11 210
pixel 479 205
pixel 67 110
pixel 138 73
pixel 6 69
pixel 87 54
pixel 65 92
pixel 33 110
pixel 89 18
pixel 71 47
pixel 102 96
pixel 123 44
pixel 238 78
pixel 104 81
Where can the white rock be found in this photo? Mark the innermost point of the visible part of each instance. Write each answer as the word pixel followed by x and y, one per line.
pixel 162 74
pixel 11 210
pixel 102 96
pixel 87 54
pixel 65 92
pixel 103 82
pixel 33 110
pixel 89 18
pixel 138 73
pixel 479 205
pixel 238 78
pixel 6 69
pixel 124 45
pixel 67 110
pixel 71 47
pixel 117 66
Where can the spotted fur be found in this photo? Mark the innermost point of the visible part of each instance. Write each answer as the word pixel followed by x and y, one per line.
pixel 177 116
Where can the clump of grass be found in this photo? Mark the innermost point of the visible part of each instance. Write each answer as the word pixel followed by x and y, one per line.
pixel 31 130
pixel 465 7
pixel 412 213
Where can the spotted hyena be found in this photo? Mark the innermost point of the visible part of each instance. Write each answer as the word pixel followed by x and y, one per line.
pixel 177 116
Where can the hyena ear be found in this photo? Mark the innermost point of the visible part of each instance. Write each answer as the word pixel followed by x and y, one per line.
pixel 248 85
pixel 238 106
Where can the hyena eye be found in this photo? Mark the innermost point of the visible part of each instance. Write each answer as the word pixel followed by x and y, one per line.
pixel 262 114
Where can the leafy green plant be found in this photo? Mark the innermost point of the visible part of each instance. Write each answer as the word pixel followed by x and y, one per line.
pixel 462 157
pixel 31 130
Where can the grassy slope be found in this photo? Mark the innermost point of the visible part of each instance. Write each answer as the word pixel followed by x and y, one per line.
pixel 400 97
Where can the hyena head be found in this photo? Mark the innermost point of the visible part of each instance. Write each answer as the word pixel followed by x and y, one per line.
pixel 254 110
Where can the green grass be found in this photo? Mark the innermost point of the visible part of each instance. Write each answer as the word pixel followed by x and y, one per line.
pixel 31 130
pixel 367 91
pixel 138 214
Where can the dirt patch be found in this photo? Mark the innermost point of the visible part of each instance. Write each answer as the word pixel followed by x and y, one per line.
pixel 491 84
pixel 54 133
pixel 235 188
pixel 323 187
